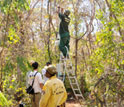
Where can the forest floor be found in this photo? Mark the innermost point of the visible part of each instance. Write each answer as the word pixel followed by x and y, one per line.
pixel 72 104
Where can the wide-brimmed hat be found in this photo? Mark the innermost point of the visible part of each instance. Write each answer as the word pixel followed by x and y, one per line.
pixel 51 69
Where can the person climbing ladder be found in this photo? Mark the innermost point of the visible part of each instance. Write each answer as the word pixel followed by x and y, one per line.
pixel 64 31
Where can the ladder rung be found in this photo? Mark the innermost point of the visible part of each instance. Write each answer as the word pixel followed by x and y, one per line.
pixel 76 90
pixel 72 77
pixel 79 95
pixel 70 72
pixel 73 83
pixel 61 75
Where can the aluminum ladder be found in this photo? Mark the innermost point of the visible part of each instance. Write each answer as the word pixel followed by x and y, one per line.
pixel 73 80
pixel 64 68
pixel 61 68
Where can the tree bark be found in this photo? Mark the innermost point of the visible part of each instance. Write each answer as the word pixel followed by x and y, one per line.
pixel 49 29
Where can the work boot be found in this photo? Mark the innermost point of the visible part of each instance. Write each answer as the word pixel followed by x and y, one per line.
pixel 67 56
pixel 62 56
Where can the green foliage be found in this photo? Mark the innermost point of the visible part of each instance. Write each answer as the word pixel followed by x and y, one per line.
pixel 12 11
pixel 108 55
pixel 12 36
pixel 3 100
pixel 22 41
pixel 13 91
pixel 21 61
pixel 108 48
pixel 8 6
pixel 8 67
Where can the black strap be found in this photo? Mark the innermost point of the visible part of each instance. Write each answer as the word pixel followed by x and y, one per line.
pixel 34 79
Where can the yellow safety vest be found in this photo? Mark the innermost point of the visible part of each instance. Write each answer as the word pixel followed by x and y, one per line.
pixel 54 93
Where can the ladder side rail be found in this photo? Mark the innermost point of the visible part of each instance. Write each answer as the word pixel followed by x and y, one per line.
pixel 72 86
pixel 73 89
pixel 76 89
pixel 77 85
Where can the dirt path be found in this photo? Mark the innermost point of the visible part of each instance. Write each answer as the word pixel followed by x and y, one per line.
pixel 72 105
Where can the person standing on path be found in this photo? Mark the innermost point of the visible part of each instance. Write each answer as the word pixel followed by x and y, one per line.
pixel 37 86
pixel 43 72
pixel 54 92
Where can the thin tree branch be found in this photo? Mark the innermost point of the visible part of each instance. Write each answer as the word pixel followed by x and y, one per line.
pixel 111 12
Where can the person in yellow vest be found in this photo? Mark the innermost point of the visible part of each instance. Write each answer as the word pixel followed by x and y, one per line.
pixel 54 92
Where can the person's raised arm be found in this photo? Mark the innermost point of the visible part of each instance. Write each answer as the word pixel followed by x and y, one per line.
pixel 60 12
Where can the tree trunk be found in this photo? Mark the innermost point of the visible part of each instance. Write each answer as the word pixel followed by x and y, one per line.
pixel 76 55
pixel 49 29
pixel 41 15
pixel 18 73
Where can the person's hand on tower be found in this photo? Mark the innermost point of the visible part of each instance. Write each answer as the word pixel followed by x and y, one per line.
pixel 60 9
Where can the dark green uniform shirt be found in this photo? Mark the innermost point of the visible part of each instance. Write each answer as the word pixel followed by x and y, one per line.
pixel 65 20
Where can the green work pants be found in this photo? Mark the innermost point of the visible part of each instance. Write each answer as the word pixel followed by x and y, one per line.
pixel 64 42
